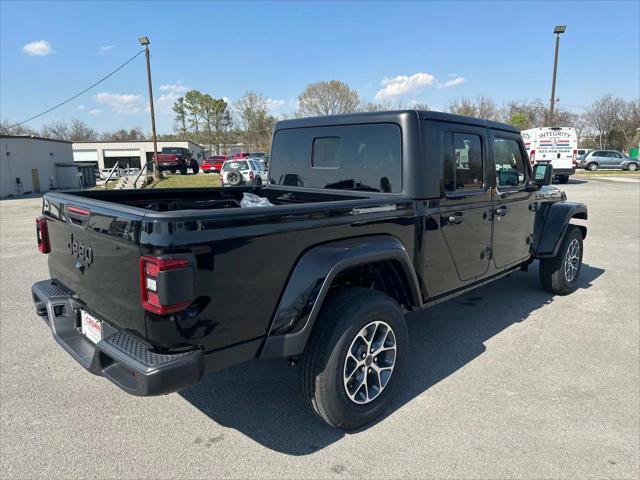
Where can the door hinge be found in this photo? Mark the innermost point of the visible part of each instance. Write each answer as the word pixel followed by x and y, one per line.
pixel 533 206
pixel 531 239
pixel 486 253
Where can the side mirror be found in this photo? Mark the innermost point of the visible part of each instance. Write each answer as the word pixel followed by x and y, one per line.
pixel 542 174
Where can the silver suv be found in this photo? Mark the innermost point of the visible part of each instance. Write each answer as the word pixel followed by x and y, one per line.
pixel 607 159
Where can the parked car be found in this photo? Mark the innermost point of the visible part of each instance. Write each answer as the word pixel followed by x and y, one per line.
pixel 213 163
pixel 144 283
pixel 607 159
pixel 105 172
pixel 177 159
pixel 582 151
pixel 239 172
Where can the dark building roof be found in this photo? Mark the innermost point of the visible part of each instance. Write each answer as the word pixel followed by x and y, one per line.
pixel 33 137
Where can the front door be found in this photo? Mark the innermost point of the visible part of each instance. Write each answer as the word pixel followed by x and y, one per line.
pixel 465 210
pixel 35 180
pixel 513 202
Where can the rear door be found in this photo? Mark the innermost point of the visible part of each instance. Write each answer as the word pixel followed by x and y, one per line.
pixel 466 206
pixel 513 213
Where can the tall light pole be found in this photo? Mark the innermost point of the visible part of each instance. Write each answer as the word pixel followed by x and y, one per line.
pixel 558 30
pixel 144 41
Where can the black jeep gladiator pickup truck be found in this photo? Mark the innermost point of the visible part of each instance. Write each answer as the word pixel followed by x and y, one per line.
pixel 373 215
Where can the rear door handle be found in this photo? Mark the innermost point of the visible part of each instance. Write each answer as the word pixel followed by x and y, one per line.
pixel 501 211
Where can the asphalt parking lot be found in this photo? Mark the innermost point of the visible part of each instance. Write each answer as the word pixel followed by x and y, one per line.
pixel 504 382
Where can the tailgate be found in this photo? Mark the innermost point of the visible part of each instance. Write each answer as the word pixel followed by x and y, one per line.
pixel 94 253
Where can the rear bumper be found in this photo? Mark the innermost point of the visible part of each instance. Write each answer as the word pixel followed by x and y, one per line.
pixel 119 356
pixel 564 171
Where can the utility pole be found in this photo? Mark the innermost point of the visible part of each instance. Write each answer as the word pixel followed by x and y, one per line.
pixel 558 30
pixel 157 175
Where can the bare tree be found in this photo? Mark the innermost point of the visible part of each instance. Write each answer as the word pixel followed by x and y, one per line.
pixel 327 98
pixel 123 135
pixel 9 128
pixel 629 123
pixel 75 130
pixel 604 115
pixel 482 107
pixel 257 124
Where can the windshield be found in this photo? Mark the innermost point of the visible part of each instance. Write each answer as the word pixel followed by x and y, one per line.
pixel 171 150
pixel 239 165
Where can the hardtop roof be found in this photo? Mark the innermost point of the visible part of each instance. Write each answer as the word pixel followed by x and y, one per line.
pixel 392 116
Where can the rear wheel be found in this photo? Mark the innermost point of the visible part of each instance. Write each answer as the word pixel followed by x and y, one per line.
pixel 355 358
pixel 257 182
pixel 195 166
pixel 559 275
pixel 563 179
pixel 172 170
pixel 592 167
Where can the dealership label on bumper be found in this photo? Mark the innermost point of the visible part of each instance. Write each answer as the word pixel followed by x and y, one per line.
pixel 91 326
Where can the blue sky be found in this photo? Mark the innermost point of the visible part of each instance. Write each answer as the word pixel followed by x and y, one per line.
pixel 416 51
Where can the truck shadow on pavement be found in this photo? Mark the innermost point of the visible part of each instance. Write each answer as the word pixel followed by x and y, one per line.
pixel 263 399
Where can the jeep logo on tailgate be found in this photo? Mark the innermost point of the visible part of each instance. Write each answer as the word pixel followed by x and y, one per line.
pixel 82 252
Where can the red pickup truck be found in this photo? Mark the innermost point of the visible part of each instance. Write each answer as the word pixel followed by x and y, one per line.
pixel 213 163
pixel 177 159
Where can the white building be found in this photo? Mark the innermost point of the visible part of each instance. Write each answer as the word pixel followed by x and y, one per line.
pixel 34 164
pixel 127 154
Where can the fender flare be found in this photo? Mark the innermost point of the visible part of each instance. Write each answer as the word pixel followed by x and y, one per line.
pixel 554 223
pixel 311 278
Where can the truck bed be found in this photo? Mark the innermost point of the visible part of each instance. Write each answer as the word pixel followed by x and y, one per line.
pixel 244 255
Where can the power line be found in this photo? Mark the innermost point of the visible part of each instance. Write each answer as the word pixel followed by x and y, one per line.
pixel 82 92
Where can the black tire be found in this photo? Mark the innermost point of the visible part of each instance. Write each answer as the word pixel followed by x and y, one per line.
pixel 563 179
pixel 195 166
pixel 257 182
pixel 344 317
pixel 183 170
pixel 172 170
pixel 553 274
pixel 632 167
pixel 234 178
pixel 592 167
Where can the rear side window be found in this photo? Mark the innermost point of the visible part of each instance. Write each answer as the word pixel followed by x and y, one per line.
pixel 510 168
pixel 463 162
pixel 364 157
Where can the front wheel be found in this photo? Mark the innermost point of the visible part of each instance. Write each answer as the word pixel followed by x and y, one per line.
pixel 355 358
pixel 632 167
pixel 563 179
pixel 559 275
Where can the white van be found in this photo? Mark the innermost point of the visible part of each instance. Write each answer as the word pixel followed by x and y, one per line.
pixel 557 145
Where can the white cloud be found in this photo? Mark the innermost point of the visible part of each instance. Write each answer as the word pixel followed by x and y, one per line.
pixel 173 87
pixel 404 85
pixel 457 80
pixel 274 104
pixel 122 102
pixel 41 48
pixel 95 111
pixel 164 103
pixel 106 48
pixel 81 107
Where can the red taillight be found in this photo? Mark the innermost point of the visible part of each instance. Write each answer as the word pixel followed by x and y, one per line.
pixel 42 235
pixel 150 271
pixel 575 156
pixel 251 174
pixel 532 156
pixel 78 210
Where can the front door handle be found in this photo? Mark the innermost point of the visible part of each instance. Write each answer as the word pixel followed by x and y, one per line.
pixel 456 218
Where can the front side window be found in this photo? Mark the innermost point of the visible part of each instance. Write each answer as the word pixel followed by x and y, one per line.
pixel 510 167
pixel 463 162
